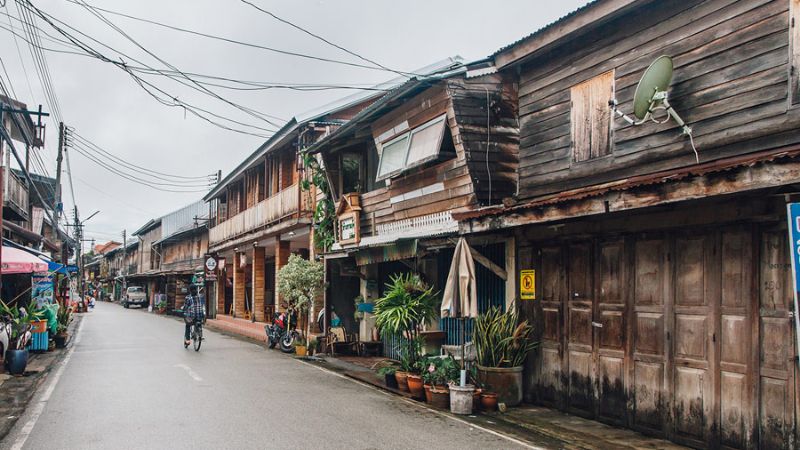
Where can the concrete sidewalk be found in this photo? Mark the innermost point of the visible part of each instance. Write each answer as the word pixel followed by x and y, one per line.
pixel 537 425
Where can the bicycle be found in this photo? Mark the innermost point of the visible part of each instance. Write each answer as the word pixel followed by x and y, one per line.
pixel 196 335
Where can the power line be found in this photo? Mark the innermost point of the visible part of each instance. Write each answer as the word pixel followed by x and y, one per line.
pixel 316 36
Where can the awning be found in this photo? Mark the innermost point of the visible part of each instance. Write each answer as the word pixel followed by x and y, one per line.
pixel 391 252
pixel 20 261
pixel 63 269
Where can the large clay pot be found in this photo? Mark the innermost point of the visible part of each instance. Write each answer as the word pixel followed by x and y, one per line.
pixel 16 361
pixel 439 397
pixel 402 380
pixel 505 381
pixel 415 386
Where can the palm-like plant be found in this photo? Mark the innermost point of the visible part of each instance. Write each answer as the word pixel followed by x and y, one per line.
pixel 405 307
pixel 501 340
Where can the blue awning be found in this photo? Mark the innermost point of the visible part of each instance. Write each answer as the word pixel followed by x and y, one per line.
pixel 63 269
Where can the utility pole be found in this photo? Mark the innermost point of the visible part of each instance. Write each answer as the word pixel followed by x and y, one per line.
pixel 124 259
pixel 58 205
pixel 78 255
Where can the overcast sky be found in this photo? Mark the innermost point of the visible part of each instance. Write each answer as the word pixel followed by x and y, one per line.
pixel 107 107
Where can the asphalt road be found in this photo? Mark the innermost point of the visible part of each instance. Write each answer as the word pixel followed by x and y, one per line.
pixel 129 383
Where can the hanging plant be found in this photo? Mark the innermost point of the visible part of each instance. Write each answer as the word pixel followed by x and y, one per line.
pixel 325 212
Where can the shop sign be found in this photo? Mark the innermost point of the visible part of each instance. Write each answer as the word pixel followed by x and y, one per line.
pixel 211 268
pixel 793 215
pixel 348 228
pixel 527 284
pixel 42 289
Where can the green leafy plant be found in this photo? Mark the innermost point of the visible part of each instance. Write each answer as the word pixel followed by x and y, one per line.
pixel 325 212
pixel 387 370
pixel 63 319
pixel 404 309
pixel 19 322
pixel 299 283
pixel 501 340
pixel 440 371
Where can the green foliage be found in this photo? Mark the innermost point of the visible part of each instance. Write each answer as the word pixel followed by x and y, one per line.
pixel 358 315
pixel 439 371
pixel 63 319
pixel 325 212
pixel 501 340
pixel 20 321
pixel 411 354
pixel 300 281
pixel 161 305
pixel 387 370
pixel 406 306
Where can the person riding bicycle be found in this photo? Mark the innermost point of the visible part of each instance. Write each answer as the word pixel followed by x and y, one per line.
pixel 193 312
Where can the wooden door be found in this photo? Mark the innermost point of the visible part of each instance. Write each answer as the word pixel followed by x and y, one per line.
pixel 580 340
pixel 609 329
pixel 775 385
pixel 553 292
pixel 693 335
pixel 737 354
pixel 649 366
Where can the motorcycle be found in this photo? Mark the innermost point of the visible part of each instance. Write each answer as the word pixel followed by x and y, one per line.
pixel 283 331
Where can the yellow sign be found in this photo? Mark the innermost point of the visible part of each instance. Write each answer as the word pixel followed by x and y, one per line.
pixel 527 284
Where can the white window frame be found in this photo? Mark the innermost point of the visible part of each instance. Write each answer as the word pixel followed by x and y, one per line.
pixel 410 135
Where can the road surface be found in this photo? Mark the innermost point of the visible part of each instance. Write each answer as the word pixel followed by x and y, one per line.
pixel 129 383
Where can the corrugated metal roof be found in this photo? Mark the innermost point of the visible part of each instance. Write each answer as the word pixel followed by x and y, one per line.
pixel 546 27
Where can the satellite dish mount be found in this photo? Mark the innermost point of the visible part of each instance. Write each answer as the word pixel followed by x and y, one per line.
pixel 651 97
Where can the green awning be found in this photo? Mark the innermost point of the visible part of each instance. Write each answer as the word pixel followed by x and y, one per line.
pixel 390 252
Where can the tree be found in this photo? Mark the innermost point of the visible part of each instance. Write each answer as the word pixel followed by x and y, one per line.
pixel 299 283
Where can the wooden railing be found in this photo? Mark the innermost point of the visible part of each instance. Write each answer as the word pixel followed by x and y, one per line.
pixel 16 193
pixel 283 204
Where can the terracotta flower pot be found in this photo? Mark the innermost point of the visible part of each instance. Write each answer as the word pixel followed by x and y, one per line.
pixel 506 382
pixel 428 398
pixel 402 380
pixel 488 401
pixel 415 386
pixel 439 397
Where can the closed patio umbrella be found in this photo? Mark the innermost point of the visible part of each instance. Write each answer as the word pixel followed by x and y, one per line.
pixel 460 298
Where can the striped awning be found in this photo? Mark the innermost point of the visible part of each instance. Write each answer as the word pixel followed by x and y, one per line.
pixel 389 252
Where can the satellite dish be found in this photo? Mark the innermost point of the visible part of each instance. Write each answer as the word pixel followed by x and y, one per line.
pixel 651 95
pixel 656 79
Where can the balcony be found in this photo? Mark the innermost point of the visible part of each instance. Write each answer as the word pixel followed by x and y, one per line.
pixel 286 203
pixel 15 198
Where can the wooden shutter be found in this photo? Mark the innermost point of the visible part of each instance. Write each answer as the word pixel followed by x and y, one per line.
pixel 590 117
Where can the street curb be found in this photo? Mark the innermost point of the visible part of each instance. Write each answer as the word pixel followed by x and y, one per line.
pixel 30 385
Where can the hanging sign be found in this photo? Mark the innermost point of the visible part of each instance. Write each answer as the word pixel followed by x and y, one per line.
pixel 527 284
pixel 211 268
pixel 793 215
pixel 42 289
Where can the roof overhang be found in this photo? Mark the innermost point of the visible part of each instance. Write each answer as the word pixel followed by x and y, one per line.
pixel 588 16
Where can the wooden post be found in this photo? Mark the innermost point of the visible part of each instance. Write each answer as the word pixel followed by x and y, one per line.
pixel 282 250
pixel 238 285
pixel 259 280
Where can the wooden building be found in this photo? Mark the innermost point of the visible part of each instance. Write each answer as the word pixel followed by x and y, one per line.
pixel 663 285
pixel 401 168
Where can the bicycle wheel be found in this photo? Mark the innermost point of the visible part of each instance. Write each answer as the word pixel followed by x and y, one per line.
pixel 198 336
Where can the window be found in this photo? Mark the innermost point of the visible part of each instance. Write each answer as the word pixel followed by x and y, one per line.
pixel 412 149
pixel 590 117
pixel 351 173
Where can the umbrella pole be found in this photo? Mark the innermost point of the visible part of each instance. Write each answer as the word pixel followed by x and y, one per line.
pixel 463 358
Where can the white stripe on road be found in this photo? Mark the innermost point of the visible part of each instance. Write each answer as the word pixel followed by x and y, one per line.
pixel 37 410
pixel 419 405
pixel 191 372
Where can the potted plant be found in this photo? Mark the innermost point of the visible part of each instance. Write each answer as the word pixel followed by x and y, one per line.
pixel 502 342
pixel 18 328
pixel 300 348
pixel 312 345
pixel 161 307
pixel 63 319
pixel 299 283
pixel 387 373
pixel 438 375
pixel 404 309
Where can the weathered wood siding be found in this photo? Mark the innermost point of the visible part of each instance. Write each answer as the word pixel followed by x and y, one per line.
pixel 730 84
pixel 681 334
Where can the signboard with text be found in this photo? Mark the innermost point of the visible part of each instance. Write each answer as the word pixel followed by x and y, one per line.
pixel 793 216
pixel 211 268
pixel 527 284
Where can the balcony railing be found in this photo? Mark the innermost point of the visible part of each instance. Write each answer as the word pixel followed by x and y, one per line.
pixel 283 204
pixel 16 194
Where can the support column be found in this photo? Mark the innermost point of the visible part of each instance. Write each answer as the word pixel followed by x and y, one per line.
pixel 238 285
pixel 219 285
pixel 282 250
pixel 258 283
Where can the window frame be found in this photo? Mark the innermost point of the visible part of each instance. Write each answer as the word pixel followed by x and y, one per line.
pixel 409 135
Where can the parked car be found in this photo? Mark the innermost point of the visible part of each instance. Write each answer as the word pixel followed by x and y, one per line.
pixel 134 295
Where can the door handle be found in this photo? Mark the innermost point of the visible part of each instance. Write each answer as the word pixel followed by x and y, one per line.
pixel 597 324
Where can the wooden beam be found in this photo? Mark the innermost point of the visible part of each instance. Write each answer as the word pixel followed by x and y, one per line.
pixel 497 270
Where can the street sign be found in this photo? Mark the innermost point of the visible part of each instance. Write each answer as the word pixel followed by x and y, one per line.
pixel 793 216
pixel 527 284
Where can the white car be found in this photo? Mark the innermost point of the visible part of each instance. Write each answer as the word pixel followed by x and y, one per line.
pixel 134 295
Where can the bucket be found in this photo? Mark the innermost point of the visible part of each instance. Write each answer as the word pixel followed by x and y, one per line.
pixel 461 399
